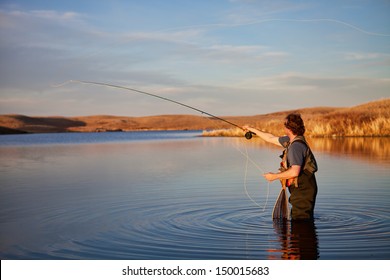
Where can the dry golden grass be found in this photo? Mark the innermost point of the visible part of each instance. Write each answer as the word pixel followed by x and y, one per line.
pixel 370 119
pixel 225 132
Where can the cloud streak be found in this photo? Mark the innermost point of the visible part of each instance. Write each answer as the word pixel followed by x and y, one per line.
pixel 261 21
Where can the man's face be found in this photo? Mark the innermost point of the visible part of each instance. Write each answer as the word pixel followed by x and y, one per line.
pixel 286 130
pixel 285 125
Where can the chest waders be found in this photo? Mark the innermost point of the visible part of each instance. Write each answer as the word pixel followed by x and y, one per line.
pixel 303 189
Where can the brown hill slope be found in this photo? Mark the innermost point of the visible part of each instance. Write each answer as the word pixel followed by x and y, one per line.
pixel 38 124
pixel 163 122
pixel 370 119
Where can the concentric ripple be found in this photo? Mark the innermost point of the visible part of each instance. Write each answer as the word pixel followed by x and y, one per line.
pixel 360 230
pixel 184 231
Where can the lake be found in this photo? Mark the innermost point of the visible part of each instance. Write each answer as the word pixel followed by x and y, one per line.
pixel 174 195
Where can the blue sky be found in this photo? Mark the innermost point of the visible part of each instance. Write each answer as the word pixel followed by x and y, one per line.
pixel 226 57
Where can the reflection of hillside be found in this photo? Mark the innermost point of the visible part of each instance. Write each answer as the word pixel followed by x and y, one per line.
pixel 373 149
pixel 376 149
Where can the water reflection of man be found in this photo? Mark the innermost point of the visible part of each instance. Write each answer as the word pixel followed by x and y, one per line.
pixel 299 166
pixel 298 240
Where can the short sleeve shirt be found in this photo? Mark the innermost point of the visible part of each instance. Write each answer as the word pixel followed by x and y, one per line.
pixel 296 152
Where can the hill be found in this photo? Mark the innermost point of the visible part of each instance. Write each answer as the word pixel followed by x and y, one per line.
pixel 370 119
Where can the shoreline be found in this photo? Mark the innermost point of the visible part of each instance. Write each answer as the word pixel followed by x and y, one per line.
pixel 367 120
pixel 202 133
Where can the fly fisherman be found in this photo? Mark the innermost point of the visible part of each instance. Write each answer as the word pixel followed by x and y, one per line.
pixel 297 168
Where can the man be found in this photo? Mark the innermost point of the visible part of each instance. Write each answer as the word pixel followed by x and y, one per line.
pixel 297 168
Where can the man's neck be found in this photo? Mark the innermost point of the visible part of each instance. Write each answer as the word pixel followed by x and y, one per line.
pixel 291 136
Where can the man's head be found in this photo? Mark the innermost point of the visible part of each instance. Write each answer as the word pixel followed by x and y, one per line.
pixel 294 123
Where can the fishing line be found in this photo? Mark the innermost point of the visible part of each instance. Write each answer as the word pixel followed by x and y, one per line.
pixel 248 159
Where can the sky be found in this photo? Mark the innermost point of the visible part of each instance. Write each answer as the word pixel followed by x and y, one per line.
pixel 225 57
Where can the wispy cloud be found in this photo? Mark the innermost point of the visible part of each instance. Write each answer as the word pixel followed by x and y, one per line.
pixel 239 54
pixel 291 83
pixel 250 9
pixel 48 14
pixel 366 56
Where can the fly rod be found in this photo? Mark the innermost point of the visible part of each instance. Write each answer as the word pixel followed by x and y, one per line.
pixel 248 134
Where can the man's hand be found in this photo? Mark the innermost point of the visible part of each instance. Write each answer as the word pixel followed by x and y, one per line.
pixel 292 172
pixel 270 176
pixel 264 135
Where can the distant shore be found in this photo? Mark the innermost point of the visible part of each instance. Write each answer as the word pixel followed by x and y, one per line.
pixel 370 119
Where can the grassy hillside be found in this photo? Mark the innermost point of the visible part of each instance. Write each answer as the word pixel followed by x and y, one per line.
pixel 370 119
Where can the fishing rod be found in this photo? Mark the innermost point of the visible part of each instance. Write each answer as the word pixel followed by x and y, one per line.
pixel 248 134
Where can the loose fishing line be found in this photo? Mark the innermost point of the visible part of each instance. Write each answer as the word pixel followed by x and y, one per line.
pixel 248 159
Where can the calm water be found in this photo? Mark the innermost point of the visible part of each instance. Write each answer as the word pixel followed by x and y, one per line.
pixel 172 195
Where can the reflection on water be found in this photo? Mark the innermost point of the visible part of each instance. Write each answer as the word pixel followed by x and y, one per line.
pixel 184 197
pixel 298 240
pixel 375 149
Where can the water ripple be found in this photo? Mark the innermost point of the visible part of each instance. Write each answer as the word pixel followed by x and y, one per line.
pixel 358 229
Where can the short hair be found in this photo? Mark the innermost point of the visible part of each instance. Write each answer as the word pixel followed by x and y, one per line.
pixel 295 123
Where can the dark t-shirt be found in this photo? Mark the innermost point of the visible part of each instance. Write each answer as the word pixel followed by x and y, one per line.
pixel 296 152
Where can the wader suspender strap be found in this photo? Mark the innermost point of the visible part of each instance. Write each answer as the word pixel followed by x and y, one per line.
pixel 284 166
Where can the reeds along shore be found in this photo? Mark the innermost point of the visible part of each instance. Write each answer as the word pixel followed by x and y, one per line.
pixel 367 120
pixel 321 128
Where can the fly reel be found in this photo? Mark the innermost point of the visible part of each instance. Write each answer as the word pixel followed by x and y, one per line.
pixel 249 135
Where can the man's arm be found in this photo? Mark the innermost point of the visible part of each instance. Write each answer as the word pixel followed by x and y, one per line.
pixel 292 172
pixel 270 138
